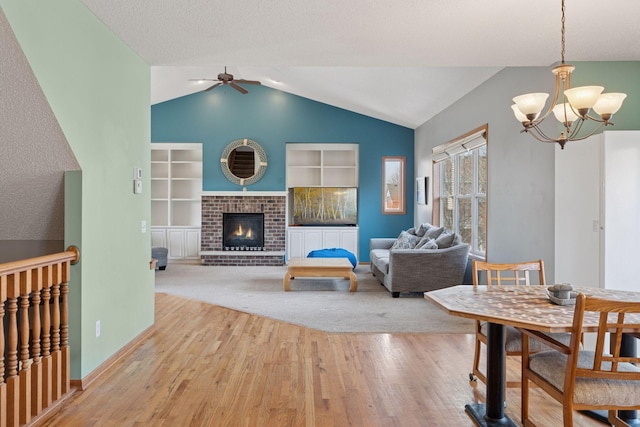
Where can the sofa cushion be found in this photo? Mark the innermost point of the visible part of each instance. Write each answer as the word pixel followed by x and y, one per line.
pixel 426 243
pixel 422 229
pixel 380 258
pixel 405 241
pixel 445 240
pixel 434 232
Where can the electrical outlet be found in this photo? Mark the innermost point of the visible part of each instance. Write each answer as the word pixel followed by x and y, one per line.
pixel 98 328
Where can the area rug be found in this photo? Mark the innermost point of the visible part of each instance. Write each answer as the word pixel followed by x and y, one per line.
pixel 323 303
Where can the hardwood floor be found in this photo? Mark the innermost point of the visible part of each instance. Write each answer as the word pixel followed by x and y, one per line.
pixel 209 366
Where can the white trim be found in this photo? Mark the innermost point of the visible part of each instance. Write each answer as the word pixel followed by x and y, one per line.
pixel 244 193
pixel 176 145
pixel 468 143
pixel 438 157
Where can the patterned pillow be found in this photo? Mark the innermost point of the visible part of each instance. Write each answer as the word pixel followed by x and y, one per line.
pixel 426 243
pixel 405 241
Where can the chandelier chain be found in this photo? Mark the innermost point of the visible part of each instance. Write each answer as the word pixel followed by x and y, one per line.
pixel 562 42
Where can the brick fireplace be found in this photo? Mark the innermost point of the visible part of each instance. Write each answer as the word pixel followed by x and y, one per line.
pixel 272 204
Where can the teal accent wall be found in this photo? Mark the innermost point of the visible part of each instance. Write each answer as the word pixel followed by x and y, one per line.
pixel 272 118
pixel 98 90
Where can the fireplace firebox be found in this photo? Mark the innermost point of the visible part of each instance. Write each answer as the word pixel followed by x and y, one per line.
pixel 243 231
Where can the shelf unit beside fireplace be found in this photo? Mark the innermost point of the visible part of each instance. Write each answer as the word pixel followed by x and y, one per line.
pixel 176 185
pixel 320 165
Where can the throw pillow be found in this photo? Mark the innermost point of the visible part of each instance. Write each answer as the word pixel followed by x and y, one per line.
pixel 445 240
pixel 426 243
pixel 412 230
pixel 405 241
pixel 423 229
pixel 434 232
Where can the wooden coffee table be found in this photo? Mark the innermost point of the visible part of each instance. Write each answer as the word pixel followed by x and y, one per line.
pixel 320 267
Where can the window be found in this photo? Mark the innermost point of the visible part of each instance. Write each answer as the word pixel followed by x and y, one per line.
pixel 460 188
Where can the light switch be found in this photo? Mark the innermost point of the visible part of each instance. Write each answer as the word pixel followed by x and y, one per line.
pixel 137 186
pixel 143 226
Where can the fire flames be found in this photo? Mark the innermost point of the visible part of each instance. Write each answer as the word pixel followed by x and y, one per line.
pixel 240 233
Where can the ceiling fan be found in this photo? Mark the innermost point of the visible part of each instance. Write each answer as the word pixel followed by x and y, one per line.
pixel 227 79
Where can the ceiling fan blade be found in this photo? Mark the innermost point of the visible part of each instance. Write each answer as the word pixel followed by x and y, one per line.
pixel 248 82
pixel 238 88
pixel 211 87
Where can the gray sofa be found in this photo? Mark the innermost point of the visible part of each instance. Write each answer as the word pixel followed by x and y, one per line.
pixel 417 270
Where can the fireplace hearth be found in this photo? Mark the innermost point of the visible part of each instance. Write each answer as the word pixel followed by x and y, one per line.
pixel 243 231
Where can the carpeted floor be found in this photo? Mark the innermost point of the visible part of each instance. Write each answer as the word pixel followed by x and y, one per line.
pixel 324 304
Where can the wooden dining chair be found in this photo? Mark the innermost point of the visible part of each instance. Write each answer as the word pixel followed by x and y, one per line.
pixel 518 274
pixel 584 379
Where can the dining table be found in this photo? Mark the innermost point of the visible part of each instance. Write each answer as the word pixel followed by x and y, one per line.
pixel 526 307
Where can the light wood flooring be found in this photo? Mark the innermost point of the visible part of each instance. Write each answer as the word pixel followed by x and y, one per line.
pixel 209 366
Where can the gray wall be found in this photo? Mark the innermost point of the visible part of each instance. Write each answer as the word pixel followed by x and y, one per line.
pixel 521 188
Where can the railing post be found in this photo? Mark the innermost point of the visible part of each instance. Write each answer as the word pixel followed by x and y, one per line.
pixel 36 367
pixel 46 337
pixel 13 385
pixel 64 328
pixel 25 357
pixel 3 385
pixel 55 332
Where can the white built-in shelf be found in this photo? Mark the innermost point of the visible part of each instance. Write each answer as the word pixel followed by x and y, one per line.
pixel 176 186
pixel 322 165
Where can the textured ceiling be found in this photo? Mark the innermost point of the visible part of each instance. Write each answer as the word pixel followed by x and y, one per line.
pixel 398 61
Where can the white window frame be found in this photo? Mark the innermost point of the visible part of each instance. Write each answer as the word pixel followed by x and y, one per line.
pixel 470 142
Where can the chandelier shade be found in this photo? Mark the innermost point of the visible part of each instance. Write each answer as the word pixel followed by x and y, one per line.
pixel 531 104
pixel 564 114
pixel 609 103
pixel 583 97
pixel 570 106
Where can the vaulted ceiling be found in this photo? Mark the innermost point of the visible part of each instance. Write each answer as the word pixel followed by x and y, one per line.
pixel 402 62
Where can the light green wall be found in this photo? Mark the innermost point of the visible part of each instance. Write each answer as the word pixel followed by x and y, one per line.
pixel 521 206
pixel 98 90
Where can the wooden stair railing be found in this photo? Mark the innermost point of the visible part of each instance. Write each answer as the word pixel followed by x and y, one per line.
pixel 34 335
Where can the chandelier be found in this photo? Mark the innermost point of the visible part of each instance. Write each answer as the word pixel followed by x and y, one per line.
pixel 572 111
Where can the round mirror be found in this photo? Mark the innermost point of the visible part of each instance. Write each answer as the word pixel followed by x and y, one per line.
pixel 243 162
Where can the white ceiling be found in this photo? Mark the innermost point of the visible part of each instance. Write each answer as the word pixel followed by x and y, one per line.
pixel 400 61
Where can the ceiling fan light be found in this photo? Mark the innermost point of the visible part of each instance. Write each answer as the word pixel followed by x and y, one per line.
pixel 583 97
pixel 609 103
pixel 564 114
pixel 519 116
pixel 531 104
